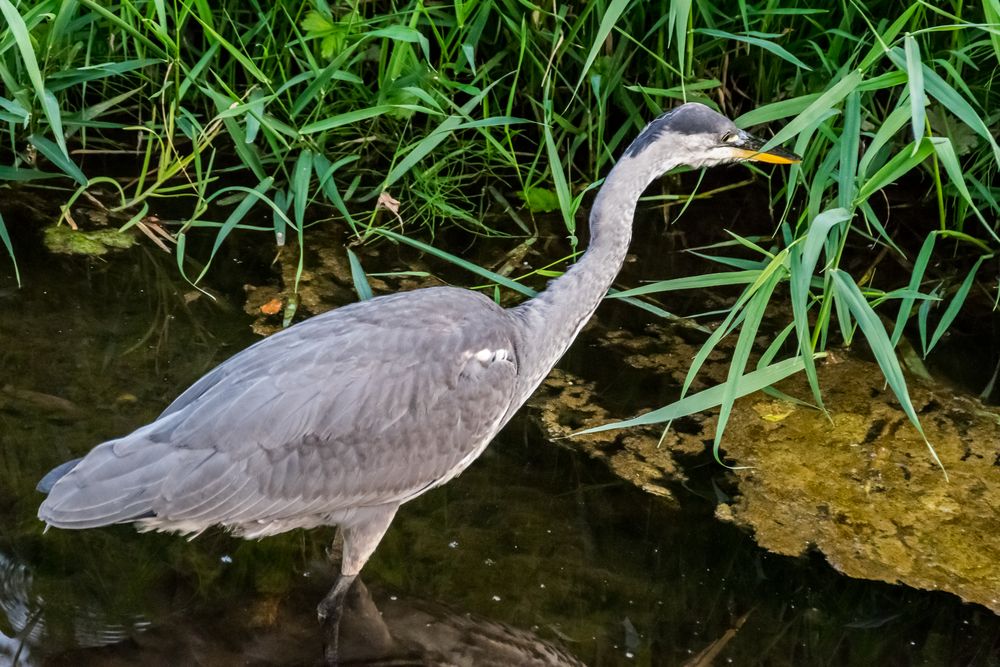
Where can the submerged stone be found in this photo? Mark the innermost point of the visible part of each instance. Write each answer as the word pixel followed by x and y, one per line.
pixel 67 241
pixel 566 403
pixel 857 484
pixel 862 487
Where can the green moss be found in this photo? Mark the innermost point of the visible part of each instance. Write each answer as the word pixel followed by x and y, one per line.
pixel 63 240
pixel 860 487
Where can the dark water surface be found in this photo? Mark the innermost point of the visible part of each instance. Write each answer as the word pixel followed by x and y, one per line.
pixel 532 551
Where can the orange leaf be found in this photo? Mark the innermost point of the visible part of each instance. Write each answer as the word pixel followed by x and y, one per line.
pixel 272 307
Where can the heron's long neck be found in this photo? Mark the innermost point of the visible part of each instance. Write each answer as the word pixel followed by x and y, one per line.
pixel 548 323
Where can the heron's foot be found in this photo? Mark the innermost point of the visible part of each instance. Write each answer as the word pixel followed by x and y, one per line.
pixel 329 611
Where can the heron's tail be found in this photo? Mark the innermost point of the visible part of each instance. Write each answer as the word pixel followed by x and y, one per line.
pixel 46 483
pixel 114 483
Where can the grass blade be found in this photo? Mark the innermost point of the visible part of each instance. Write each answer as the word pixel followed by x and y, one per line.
pixel 923 313
pixel 58 158
pixel 690 282
pixel 346 118
pixel 919 267
pixel 946 155
pixel 361 284
pixel 991 12
pixel 803 259
pixel 915 84
pixel 900 164
pixel 776 110
pixel 458 261
pixel 23 175
pixel 301 176
pixel 247 64
pixel 765 44
pixel 608 21
pixel 741 354
pixel 886 131
pixel 5 238
pixel 952 100
pixel 324 175
pixel 559 180
pixel 956 304
pixel 240 212
pixel 19 30
pixel 882 348
pixel 821 105
pixel 708 398
pixel 850 141
pixel 679 18
pixel 423 148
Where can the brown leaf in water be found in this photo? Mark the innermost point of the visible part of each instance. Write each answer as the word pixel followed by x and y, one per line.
pixel 272 307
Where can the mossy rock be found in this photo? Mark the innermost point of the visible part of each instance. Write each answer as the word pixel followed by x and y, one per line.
pixel 66 241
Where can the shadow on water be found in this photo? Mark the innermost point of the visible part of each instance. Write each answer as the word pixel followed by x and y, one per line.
pixel 533 556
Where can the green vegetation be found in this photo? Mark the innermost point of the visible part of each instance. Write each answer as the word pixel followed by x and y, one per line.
pixel 291 112
pixel 62 239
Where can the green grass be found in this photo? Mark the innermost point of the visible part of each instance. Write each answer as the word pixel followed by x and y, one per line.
pixel 308 112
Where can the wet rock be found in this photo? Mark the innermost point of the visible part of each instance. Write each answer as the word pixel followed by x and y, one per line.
pixel 858 485
pixel 61 239
pixel 862 488
pixel 259 300
pixel 668 352
pixel 36 401
pixel 566 404
pixel 327 284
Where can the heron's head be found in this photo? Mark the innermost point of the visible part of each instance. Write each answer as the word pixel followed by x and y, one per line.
pixel 692 134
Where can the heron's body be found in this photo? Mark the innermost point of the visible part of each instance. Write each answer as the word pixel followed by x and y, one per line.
pixel 362 407
pixel 291 432
pixel 342 418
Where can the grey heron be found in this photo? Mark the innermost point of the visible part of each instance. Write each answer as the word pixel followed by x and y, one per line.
pixel 344 417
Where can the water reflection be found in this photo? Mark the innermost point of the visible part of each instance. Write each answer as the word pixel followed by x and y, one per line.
pixel 532 549
pixel 21 613
pixel 28 619
pixel 396 630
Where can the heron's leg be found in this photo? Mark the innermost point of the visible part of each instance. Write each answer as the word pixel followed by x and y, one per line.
pixel 330 610
pixel 361 533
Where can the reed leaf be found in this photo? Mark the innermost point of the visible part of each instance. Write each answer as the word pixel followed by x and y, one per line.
pixel 708 398
pixel 358 277
pixel 882 348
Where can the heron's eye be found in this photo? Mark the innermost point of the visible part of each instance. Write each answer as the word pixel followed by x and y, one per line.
pixel 730 137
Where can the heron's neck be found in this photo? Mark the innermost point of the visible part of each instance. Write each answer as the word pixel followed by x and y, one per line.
pixel 549 323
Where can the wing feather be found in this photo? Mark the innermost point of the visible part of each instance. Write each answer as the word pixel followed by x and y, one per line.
pixel 369 404
pixel 183 490
pixel 229 492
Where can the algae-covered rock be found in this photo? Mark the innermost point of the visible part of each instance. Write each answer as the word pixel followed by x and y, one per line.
pixel 861 486
pixel 566 403
pixel 63 240
pixel 857 484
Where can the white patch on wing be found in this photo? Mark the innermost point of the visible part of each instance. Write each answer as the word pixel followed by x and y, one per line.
pixel 486 355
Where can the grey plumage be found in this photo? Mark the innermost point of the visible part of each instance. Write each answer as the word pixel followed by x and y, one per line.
pixel 310 422
pixel 684 120
pixel 342 418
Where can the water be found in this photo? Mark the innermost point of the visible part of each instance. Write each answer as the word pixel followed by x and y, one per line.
pixel 533 548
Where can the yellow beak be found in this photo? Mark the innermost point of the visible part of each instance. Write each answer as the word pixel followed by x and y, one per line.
pixel 748 148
